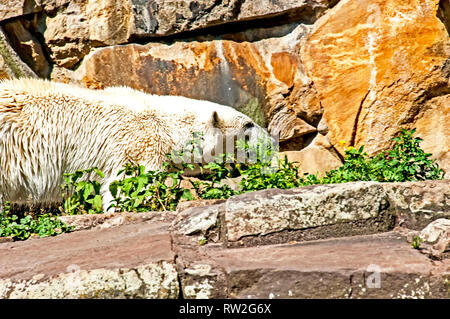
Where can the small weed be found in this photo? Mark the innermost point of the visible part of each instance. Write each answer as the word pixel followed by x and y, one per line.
pixel 416 242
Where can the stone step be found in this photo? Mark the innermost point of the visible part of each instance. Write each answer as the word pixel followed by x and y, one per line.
pixel 132 260
pixel 324 241
pixel 277 216
pixel 138 260
pixel 371 266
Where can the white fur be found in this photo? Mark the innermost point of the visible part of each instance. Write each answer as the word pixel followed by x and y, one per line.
pixel 48 129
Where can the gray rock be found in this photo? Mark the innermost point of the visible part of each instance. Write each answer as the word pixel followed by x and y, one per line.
pixel 309 207
pixel 437 236
pixel 279 216
pixel 197 220
pixel 320 211
pixel 418 203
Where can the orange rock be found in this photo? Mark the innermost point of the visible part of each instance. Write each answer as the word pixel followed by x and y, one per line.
pixel 433 124
pixel 359 73
pixel 376 66
pixel 284 65
pixel 317 158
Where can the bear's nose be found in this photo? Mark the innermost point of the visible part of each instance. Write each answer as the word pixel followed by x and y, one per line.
pixel 249 125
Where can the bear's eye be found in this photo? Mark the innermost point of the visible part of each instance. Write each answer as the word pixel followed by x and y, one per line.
pixel 249 125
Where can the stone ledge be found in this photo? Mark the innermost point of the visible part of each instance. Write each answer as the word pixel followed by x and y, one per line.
pixel 332 268
pixel 104 221
pixel 314 212
pixel 155 280
pixel 126 246
pixel 128 261
pixel 157 256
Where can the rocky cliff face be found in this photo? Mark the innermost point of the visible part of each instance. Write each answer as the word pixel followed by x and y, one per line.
pixel 315 71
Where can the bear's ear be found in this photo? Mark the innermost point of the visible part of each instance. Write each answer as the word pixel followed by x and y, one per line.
pixel 215 119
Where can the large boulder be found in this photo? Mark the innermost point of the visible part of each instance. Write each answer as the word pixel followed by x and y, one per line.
pixel 314 212
pixel 380 65
pixel 71 28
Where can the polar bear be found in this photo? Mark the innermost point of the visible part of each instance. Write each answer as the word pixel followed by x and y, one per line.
pixel 48 129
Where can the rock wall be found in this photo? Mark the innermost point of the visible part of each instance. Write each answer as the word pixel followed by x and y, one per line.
pixel 315 71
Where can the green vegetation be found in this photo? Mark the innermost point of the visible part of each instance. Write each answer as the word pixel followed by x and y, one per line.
pixel 82 196
pixel 263 173
pixel 416 242
pixel 23 228
pixel 405 162
pixel 211 187
pixel 138 189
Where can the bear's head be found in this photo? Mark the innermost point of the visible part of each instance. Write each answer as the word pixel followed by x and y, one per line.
pixel 215 128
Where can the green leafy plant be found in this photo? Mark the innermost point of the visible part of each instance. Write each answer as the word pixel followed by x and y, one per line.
pixel 262 172
pixel 405 162
pixel 23 228
pixel 357 166
pixel 140 190
pixel 259 176
pixel 82 196
pixel 211 187
pixel 416 242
